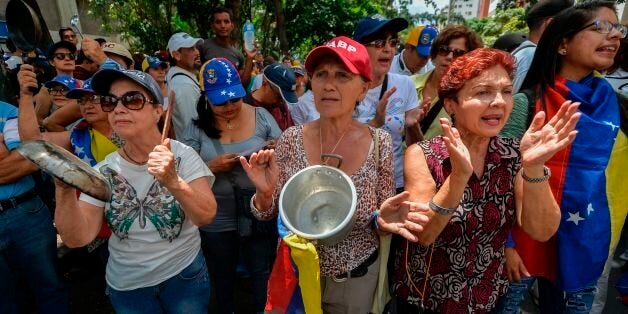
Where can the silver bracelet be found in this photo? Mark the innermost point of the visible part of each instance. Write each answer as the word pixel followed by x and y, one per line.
pixel 546 174
pixel 441 210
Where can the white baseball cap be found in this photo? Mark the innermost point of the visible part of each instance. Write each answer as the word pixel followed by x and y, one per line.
pixel 182 40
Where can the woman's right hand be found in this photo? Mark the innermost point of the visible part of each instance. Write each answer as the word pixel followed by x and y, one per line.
pixel 27 79
pixel 262 170
pixel 223 163
pixel 458 153
pixel 514 266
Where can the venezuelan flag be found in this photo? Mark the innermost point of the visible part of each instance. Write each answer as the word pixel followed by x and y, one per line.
pixel 586 184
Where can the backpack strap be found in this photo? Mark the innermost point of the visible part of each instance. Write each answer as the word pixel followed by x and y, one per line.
pixel 431 116
pixel 181 73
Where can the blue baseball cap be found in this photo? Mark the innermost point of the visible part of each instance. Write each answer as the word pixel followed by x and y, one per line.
pixel 373 23
pixel 220 81
pixel 422 37
pixel 77 93
pixel 102 80
pixel 65 81
pixel 153 63
pixel 282 76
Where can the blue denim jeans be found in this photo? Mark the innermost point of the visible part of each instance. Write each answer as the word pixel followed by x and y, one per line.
pixel 517 292
pixel 28 251
pixel 551 299
pixel 187 292
pixel 223 249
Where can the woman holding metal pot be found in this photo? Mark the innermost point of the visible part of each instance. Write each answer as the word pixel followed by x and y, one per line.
pixel 339 72
pixel 477 185
pixel 160 194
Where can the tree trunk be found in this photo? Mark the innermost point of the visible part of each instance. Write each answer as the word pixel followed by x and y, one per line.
pixel 236 7
pixel 281 29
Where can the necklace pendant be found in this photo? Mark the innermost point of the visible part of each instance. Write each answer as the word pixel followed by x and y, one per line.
pixel 230 125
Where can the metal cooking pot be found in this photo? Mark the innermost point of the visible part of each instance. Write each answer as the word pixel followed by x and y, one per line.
pixel 66 167
pixel 318 203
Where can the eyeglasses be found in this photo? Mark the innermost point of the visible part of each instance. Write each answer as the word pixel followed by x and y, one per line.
pixel 63 55
pixel 380 43
pixel 605 27
pixel 58 91
pixel 92 99
pixel 133 100
pixel 230 101
pixel 445 51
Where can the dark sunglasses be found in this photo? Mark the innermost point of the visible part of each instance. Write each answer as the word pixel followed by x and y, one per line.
pixel 63 55
pixel 445 51
pixel 380 43
pixel 133 100
pixel 58 91
pixel 230 101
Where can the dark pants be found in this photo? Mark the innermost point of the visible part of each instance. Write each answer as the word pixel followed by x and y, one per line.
pixel 222 251
pixel 28 250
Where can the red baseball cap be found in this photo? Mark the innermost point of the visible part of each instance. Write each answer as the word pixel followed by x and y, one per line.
pixel 352 54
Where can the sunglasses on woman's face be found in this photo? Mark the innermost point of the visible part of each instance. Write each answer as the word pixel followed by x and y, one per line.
pixel 58 91
pixel 133 100
pixel 380 43
pixel 444 51
pixel 89 99
pixel 62 56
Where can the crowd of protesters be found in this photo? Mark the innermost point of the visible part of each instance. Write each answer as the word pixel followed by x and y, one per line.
pixel 478 171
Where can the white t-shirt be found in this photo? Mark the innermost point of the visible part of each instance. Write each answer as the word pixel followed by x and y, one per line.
pixel 401 101
pixel 304 110
pixel 142 254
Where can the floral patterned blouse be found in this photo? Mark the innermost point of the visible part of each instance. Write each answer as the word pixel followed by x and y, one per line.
pixel 373 185
pixel 466 273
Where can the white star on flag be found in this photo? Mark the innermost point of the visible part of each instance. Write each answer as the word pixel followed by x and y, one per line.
pixel 223 92
pixel 78 150
pixel 611 124
pixel 228 81
pixel 231 94
pixel 590 209
pixel 87 160
pixel 228 74
pixel 574 217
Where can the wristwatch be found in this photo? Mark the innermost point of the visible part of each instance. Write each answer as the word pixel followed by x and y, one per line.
pixel 441 210
pixel 546 175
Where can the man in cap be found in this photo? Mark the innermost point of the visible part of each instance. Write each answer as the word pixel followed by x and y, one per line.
pixel 182 79
pixel 391 102
pixel 539 16
pixel 415 57
pixel 222 46
pixel 277 90
pixel 68 34
pixel 118 53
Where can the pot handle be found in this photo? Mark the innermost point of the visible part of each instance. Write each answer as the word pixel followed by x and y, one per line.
pixel 327 156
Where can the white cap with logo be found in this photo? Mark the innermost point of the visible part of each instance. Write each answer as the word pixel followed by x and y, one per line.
pixel 182 40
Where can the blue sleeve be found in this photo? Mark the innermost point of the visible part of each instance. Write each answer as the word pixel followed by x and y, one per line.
pixel 510 242
pixel 110 64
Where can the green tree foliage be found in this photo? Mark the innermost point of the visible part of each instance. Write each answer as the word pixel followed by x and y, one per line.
pixel 504 21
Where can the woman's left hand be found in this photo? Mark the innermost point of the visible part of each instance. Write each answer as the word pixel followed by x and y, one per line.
pixel 403 217
pixel 161 164
pixel 541 142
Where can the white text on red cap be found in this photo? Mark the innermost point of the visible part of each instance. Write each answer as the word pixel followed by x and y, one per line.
pixel 342 44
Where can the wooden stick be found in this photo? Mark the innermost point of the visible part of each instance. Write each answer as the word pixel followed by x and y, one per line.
pixel 164 132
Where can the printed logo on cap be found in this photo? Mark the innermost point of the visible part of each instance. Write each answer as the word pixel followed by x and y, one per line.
pixel 425 38
pixel 135 73
pixel 211 76
pixel 342 44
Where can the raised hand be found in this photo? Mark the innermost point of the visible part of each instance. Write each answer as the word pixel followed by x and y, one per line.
pixel 541 141
pixel 400 216
pixel 262 170
pixel 27 79
pixel 380 111
pixel 161 164
pixel 458 152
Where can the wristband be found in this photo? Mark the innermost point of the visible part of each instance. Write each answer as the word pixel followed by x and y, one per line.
pixel 546 175
pixel 441 210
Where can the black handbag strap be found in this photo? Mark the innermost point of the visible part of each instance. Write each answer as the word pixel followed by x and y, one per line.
pixel 384 87
pixel 431 115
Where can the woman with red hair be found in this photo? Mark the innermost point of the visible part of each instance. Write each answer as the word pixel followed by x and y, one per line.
pixel 477 185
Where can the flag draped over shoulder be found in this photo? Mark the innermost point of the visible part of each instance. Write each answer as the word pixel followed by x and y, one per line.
pixel 584 181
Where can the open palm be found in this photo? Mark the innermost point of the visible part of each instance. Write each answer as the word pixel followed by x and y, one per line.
pixel 542 141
